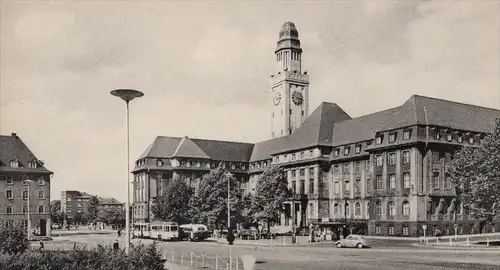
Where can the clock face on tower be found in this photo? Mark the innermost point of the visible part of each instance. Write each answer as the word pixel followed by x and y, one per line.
pixel 297 98
pixel 277 99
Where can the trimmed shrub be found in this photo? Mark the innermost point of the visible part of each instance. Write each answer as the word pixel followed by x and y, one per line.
pixel 13 239
pixel 102 257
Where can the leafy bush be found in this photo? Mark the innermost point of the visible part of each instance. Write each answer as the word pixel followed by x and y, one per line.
pixel 13 239
pixel 103 257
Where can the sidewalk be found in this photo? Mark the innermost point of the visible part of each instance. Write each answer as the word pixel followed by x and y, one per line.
pixel 275 242
pixel 56 233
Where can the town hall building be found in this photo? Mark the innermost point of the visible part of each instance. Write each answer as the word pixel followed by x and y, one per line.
pixel 384 172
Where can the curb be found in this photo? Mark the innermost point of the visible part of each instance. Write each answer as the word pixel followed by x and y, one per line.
pixel 274 245
pixel 471 247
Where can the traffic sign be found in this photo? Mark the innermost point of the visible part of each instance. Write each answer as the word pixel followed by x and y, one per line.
pixel 455 226
pixel 424 227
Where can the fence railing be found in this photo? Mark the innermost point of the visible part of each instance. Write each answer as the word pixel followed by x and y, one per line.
pixel 196 260
pixel 467 240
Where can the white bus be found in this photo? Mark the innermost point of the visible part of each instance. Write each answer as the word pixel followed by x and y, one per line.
pixel 142 230
pixel 194 232
pixel 164 230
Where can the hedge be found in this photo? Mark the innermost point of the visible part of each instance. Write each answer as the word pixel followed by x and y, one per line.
pixel 103 257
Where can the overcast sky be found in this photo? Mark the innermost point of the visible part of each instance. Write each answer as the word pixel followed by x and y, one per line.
pixel 204 69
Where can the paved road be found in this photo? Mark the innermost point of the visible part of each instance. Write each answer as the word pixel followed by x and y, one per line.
pixel 324 257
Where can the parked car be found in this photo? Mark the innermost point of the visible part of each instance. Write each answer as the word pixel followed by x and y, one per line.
pixel 353 240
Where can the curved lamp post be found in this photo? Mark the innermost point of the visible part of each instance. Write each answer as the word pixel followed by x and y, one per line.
pixel 127 95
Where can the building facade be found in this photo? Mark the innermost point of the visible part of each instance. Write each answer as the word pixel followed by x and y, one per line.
pixel 24 176
pixel 73 202
pixel 382 173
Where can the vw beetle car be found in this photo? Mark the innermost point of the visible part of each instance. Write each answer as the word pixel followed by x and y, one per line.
pixel 353 240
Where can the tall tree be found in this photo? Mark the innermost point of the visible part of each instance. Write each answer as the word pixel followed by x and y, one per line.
pixel 210 204
pixel 113 216
pixel 272 191
pixel 475 171
pixel 173 204
pixel 55 210
pixel 92 209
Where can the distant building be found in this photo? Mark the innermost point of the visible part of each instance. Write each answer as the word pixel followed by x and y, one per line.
pixel 73 202
pixel 385 171
pixel 110 203
pixel 20 169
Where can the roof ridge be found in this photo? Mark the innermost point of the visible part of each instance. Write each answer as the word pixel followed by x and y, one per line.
pixel 456 102
pixel 179 146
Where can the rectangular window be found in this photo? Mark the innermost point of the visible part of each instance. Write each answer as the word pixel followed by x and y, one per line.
pixel 346 150
pixel 294 173
pixel 311 187
pixel 471 139
pixel 437 134
pixel 460 139
pixel 392 181
pixel 406 157
pixel 311 173
pixel 9 209
pixel 447 181
pixel 357 185
pixel 336 152
pixel 336 169
pixel 347 187
pixel 302 173
pixel 392 158
pixel 378 229
pixel 379 160
pixel 358 166
pixel 435 179
pixel 406 134
pixel 41 194
pixel 406 180
pixel 302 187
pixel 25 209
pixel 357 150
pixel 378 140
pixel 392 137
pixel 378 182
pixel 311 153
pixel 391 230
pixel 336 188
pixel 449 136
pixel 346 168
pixel 405 230
pixel 25 194
pixel 294 186
pixel 293 156
pixel 41 209
pixel 9 180
pixel 368 166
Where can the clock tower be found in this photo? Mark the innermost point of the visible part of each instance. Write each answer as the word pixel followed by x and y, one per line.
pixel 289 85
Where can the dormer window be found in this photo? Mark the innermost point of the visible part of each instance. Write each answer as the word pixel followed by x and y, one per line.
pixel 378 139
pixel 233 166
pixel 32 164
pixel 14 163
pixel 293 156
pixel 311 153
pixel 336 152
pixel 346 150
pixel 188 164
pixel 392 137
pixel 243 167
pixel 198 164
pixel 258 165
pixel 437 134
pixel 449 136
pixel 460 139
pixel 471 139
pixel 41 181
pixel 252 166
pixel 265 164
pixel 159 163
pixel 407 134
pixel 301 155
pixel 357 150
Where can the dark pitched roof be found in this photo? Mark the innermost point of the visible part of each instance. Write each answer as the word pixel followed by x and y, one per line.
pixel 417 110
pixel 187 148
pixel 225 151
pixel 316 130
pixel 109 201
pixel 12 147
pixel 161 147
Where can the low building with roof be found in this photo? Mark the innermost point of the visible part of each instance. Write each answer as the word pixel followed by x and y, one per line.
pixel 385 172
pixel 23 175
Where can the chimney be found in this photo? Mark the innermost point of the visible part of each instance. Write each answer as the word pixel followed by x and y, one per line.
pixel 14 135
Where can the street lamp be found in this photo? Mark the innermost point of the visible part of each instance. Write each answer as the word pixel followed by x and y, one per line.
pixel 28 181
pixel 127 95
pixel 230 236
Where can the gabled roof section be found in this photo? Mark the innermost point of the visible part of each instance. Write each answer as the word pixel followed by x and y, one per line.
pixel 454 115
pixel 187 148
pixel 224 150
pixel 316 130
pixel 13 148
pixel 161 147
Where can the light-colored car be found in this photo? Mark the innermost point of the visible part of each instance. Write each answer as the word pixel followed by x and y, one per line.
pixel 353 240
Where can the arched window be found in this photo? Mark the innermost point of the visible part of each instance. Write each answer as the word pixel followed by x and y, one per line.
pixel 336 210
pixel 347 210
pixel 378 208
pixel 357 209
pixel 406 208
pixel 392 208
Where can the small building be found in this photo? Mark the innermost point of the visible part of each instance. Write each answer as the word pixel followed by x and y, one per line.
pixel 23 176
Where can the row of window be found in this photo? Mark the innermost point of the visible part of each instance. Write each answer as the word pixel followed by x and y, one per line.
pixel 9 194
pixel 9 180
pixel 347 167
pixel 293 56
pixel 391 184
pixel 16 164
pixel 450 135
pixel 347 210
pixel 391 207
pixel 9 209
pixel 294 156
pixel 391 160
pixel 391 230
pixel 302 187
